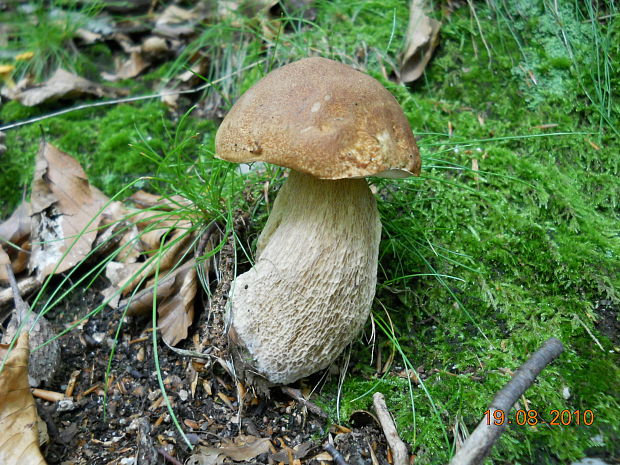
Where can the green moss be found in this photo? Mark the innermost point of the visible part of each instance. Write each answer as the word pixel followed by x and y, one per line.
pixel 102 140
pixel 534 237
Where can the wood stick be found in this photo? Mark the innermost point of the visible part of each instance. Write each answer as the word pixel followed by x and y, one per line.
pixel 296 394
pixel 25 286
pixel 50 396
pixel 337 456
pixel 480 441
pixel 398 447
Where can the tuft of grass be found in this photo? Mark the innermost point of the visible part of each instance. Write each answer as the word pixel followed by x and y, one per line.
pixel 47 30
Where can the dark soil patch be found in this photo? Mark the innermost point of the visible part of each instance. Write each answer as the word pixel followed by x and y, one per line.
pixel 608 322
pixel 131 424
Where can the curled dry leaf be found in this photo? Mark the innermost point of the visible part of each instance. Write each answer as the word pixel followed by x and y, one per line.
pixel 130 68
pixel 247 8
pixel 180 240
pixel 62 85
pixel 19 441
pixel 176 22
pixel 14 243
pixel 145 199
pixel 64 212
pixel 154 45
pixel 175 298
pixel 243 449
pixel 420 42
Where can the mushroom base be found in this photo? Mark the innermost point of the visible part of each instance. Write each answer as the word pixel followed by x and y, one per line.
pixel 311 288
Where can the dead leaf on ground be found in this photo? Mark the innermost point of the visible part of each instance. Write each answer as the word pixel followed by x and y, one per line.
pixel 175 22
pixel 63 208
pixel 130 68
pixel 247 8
pixel 243 449
pixel 62 85
pixel 175 302
pixel 17 226
pixel 145 199
pixel 4 260
pixel 154 225
pixel 154 45
pixel 420 42
pixel 19 441
pixel 14 243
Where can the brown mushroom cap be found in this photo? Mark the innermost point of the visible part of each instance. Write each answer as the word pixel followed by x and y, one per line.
pixel 323 118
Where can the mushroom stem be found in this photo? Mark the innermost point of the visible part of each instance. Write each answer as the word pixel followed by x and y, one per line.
pixel 311 288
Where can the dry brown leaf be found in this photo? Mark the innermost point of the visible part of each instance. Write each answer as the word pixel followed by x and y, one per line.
pixel 19 441
pixel 176 313
pixel 240 451
pixel 4 260
pixel 175 297
pixel 176 22
pixel 62 84
pixel 16 230
pixel 420 42
pixel 63 205
pixel 118 272
pixel 154 45
pixel 247 8
pixel 88 37
pixel 145 199
pixel 17 226
pixel 175 15
pixel 192 75
pixel 153 224
pixel 130 68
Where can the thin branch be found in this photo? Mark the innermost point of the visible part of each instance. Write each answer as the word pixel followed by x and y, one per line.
pixel 398 447
pixel 21 307
pixel 479 443
pixel 296 394
pixel 337 456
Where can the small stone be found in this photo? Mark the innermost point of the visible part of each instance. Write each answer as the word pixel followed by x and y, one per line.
pixel 566 393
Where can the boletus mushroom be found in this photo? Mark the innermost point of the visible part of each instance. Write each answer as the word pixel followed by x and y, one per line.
pixel 311 288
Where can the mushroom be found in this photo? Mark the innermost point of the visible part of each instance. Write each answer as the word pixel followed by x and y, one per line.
pixel 311 288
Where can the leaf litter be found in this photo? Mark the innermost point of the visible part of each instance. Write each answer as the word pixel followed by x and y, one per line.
pixel 61 85
pixel 19 421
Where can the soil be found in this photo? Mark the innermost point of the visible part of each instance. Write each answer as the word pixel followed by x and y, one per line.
pixel 608 322
pixel 132 425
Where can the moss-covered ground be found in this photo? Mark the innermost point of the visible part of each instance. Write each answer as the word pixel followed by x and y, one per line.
pixel 510 236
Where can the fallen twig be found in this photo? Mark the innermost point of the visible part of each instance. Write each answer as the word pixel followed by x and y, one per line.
pixel 398 447
pixel 22 309
pixel 337 456
pixel 480 441
pixel 167 457
pixel 50 396
pixel 25 286
pixel 296 394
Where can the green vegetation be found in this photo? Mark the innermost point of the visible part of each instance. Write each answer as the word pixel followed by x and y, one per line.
pixel 509 237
